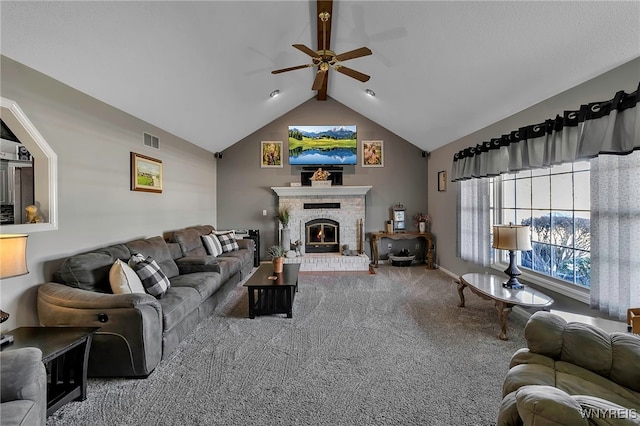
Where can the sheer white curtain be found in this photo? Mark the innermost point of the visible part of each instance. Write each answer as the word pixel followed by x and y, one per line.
pixel 615 233
pixel 473 239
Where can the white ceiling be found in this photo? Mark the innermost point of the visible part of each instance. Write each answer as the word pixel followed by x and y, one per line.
pixel 201 70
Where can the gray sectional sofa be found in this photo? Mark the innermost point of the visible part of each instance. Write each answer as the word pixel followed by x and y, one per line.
pixel 139 330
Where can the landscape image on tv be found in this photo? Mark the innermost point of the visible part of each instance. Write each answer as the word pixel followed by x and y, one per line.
pixel 322 145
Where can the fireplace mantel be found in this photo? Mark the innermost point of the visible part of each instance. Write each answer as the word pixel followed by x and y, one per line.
pixel 302 191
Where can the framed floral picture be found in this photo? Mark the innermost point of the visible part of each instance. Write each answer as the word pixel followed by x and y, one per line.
pixel 146 173
pixel 372 154
pixel 271 154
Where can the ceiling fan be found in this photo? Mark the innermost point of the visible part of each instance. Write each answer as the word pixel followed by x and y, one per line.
pixel 325 59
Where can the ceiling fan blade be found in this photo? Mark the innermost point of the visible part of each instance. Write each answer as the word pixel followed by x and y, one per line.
pixel 319 80
pixel 352 54
pixel 291 68
pixel 352 73
pixel 307 50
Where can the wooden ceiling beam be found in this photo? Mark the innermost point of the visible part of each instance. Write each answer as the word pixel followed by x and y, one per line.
pixel 324 43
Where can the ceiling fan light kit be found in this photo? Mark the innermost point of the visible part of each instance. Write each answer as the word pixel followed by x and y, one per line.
pixel 325 58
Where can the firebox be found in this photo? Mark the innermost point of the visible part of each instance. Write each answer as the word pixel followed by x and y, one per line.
pixel 322 236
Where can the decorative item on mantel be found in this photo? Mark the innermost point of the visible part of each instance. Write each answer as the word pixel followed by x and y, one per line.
pixel 320 178
pixel 422 221
pixel 277 254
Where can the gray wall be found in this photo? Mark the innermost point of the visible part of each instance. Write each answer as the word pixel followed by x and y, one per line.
pixel 244 188
pixel 92 141
pixel 443 204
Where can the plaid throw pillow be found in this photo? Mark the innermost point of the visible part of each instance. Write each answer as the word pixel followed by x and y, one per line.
pixel 228 242
pixel 154 281
pixel 212 245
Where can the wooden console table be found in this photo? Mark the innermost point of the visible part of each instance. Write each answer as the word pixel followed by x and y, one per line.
pixel 428 238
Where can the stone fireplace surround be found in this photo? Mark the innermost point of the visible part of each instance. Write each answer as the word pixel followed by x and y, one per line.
pixel 351 200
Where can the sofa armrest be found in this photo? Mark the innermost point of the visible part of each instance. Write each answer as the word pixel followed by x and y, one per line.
pixel 24 376
pixel 525 356
pixel 246 243
pixel 548 406
pixel 191 264
pixel 70 297
pixel 129 342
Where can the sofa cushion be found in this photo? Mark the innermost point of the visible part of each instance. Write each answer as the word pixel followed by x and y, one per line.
pixel 205 283
pixel 153 279
pixel 124 279
pixel 177 304
pixel 212 244
pixel 90 270
pixel 228 242
pixel 189 241
pixel 157 248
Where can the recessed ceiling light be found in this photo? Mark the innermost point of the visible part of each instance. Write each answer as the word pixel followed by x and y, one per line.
pixel 370 92
pixel 274 93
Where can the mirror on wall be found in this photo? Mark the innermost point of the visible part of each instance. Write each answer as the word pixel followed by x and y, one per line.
pixel 28 174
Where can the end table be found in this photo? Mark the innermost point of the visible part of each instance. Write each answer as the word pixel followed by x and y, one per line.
pixel 65 353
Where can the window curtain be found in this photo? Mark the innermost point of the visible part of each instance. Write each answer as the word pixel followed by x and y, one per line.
pixel 607 127
pixel 473 239
pixel 615 233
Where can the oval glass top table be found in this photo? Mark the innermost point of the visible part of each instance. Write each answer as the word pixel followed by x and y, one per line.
pixel 489 287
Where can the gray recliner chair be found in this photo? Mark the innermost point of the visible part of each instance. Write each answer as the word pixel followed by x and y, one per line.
pixel 23 387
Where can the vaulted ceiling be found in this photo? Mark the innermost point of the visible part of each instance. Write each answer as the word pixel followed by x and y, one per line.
pixel 202 70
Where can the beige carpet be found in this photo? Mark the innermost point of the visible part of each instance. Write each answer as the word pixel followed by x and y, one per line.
pixel 386 349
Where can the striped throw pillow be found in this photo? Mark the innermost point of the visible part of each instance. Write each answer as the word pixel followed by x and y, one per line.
pixel 211 244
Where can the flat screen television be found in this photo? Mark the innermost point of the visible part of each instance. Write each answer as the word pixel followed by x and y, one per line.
pixel 322 145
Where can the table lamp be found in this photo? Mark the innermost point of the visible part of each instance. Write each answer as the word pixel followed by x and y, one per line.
pixel 13 262
pixel 512 237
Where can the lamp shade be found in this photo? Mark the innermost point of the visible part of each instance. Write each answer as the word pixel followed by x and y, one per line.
pixel 13 255
pixel 511 237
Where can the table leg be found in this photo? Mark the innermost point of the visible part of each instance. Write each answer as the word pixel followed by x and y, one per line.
pixel 504 309
pixel 461 286
pixel 374 251
pixel 252 313
pixel 289 292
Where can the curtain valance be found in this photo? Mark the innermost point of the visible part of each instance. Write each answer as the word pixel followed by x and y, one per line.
pixel 607 127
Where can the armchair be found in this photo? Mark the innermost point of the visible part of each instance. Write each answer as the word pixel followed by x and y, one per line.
pixel 23 387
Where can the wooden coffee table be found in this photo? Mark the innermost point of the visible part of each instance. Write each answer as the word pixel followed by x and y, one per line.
pixel 271 293
pixel 489 287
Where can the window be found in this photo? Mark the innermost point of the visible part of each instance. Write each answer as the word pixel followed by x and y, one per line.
pixel 555 203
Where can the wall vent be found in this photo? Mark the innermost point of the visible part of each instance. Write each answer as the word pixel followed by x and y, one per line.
pixel 151 141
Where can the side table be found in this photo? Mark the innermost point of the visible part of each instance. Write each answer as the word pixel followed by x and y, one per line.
pixel 426 236
pixel 65 353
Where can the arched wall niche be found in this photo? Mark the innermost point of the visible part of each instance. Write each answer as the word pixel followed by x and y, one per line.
pixel 45 168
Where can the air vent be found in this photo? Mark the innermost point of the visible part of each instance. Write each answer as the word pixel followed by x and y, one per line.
pixel 151 141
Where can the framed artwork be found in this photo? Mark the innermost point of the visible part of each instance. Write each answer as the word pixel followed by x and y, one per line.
pixel 372 154
pixel 271 154
pixel 146 173
pixel 442 181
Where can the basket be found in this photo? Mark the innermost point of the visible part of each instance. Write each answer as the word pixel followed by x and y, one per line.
pixel 321 183
pixel 401 260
